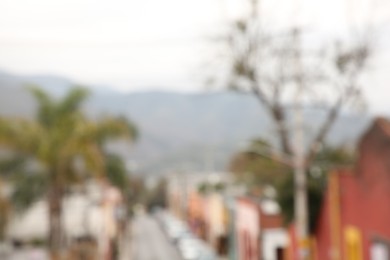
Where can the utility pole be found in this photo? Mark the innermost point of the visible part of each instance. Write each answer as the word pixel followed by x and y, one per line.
pixel 300 179
pixel 298 161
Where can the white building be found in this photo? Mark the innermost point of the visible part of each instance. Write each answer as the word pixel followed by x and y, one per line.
pixel 90 213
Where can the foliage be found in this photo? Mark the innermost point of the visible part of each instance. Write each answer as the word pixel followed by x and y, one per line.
pixel 207 187
pixel 28 188
pixel 330 157
pixel 65 144
pixel 315 189
pixel 157 196
pixel 12 164
pixel 327 159
pixel 255 170
pixel 8 165
pixel 62 140
pixel 219 187
pixel 4 215
pixel 116 172
pixel 138 192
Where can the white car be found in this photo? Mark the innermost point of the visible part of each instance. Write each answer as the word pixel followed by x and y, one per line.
pixel 190 247
pixel 175 230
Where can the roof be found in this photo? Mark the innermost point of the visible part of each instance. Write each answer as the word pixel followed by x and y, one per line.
pixel 383 124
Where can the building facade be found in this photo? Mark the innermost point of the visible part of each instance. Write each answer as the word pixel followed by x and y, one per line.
pixel 259 230
pixel 354 223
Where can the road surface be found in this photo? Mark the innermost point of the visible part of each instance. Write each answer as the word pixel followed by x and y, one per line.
pixel 26 254
pixel 149 242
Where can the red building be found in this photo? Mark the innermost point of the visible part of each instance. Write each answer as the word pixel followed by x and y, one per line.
pixel 354 222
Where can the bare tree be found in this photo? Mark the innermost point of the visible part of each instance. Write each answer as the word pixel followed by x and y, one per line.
pixel 277 66
pixel 287 71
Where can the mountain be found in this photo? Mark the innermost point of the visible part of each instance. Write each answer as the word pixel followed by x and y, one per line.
pixel 178 131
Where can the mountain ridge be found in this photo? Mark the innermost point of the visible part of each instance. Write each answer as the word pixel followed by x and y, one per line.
pixel 199 130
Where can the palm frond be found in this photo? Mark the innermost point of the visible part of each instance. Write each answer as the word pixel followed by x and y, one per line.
pixel 21 135
pixel 59 138
pixel 4 216
pixel 116 171
pixel 92 156
pixel 28 189
pixel 46 105
pixel 72 101
pixel 113 128
pixel 11 165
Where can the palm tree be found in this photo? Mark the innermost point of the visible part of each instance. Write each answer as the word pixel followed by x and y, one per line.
pixel 59 139
pixel 7 165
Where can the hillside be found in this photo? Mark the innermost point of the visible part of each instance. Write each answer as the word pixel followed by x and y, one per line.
pixel 186 131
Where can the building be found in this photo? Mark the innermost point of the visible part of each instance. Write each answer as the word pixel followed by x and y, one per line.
pixel 89 214
pixel 200 199
pixel 237 227
pixel 183 193
pixel 354 222
pixel 259 232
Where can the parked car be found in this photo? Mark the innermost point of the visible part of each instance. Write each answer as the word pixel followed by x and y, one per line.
pixel 189 247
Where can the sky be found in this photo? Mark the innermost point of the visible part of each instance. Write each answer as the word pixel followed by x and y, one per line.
pixel 133 45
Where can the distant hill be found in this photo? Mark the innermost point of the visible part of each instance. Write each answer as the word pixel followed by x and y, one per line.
pixel 186 131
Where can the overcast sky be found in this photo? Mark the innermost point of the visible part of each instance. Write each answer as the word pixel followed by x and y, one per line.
pixel 158 44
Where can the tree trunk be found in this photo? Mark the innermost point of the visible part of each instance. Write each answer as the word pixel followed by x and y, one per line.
pixel 55 221
pixel 279 118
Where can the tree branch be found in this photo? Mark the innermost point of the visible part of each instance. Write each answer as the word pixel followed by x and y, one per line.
pixel 278 115
pixel 323 131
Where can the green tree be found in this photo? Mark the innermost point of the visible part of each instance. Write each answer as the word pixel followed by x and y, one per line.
pixel 326 160
pixel 4 212
pixel 315 190
pixel 157 195
pixel 67 146
pixel 7 165
pixel 258 171
pixel 117 173
pixel 255 170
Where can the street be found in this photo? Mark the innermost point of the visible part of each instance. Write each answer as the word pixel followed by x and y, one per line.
pixel 149 242
pixel 26 253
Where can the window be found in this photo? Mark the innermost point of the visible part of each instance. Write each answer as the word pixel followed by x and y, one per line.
pixel 379 250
